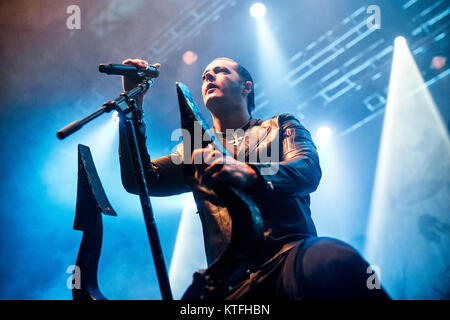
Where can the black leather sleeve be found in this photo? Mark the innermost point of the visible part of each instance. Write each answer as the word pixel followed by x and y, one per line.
pixel 298 169
pixel 164 175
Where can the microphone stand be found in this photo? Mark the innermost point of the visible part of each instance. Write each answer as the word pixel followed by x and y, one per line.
pixel 125 105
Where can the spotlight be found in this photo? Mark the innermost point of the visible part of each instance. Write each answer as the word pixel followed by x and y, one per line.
pixel 189 57
pixel 438 62
pixel 115 116
pixel 258 10
pixel 324 135
pixel 411 117
pixel 400 41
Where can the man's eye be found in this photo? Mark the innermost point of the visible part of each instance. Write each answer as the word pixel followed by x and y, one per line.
pixel 220 70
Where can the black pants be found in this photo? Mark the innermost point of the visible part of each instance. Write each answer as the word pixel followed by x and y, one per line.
pixel 316 268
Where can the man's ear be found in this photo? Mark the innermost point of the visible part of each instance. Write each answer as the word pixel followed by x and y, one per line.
pixel 248 87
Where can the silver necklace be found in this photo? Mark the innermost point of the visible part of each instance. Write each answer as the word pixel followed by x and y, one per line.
pixel 236 140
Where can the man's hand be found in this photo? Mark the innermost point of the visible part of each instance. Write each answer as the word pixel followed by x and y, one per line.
pixel 131 82
pixel 212 167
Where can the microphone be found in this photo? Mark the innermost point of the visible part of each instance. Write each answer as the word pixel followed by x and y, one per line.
pixel 125 70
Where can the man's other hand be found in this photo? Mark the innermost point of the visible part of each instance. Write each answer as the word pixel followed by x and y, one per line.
pixel 212 167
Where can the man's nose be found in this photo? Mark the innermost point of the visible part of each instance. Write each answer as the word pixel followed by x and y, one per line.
pixel 209 76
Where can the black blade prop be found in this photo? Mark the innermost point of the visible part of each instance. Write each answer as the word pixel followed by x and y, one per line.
pixel 247 225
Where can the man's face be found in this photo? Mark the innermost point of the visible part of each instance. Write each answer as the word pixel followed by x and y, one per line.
pixel 222 85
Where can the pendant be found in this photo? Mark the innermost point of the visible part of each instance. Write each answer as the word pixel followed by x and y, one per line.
pixel 236 140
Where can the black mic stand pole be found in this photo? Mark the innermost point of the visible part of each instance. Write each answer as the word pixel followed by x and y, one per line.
pixel 124 105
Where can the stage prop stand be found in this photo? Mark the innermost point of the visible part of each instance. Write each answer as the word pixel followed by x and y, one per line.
pixel 126 105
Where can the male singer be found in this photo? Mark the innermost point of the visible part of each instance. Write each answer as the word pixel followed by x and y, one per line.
pixel 294 262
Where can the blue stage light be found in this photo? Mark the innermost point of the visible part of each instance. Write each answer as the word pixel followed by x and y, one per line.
pixel 324 135
pixel 400 41
pixel 115 116
pixel 258 10
pixel 413 133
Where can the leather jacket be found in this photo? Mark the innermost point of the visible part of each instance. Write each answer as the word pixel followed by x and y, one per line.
pixel 282 191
